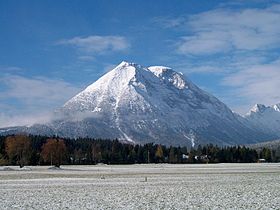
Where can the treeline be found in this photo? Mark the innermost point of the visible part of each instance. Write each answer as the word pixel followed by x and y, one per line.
pixel 39 150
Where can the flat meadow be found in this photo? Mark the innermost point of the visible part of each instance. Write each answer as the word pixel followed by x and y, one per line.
pixel 142 186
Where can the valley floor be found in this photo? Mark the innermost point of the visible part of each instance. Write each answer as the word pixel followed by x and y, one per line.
pixel 153 186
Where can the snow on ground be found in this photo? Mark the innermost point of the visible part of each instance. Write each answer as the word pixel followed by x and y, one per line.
pixel 220 186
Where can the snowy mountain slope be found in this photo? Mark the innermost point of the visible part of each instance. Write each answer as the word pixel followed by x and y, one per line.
pixel 266 118
pixel 154 104
pixel 273 145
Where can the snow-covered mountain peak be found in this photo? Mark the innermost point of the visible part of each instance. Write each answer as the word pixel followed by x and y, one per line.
pixel 154 104
pixel 127 73
pixel 116 78
pixel 266 118
pixel 159 70
pixel 126 64
pixel 276 107
pixel 168 75
pixel 258 108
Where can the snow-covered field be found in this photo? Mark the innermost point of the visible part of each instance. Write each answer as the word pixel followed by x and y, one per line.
pixel 163 186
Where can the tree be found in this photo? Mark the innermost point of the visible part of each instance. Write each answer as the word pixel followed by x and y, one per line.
pixel 159 154
pixel 266 154
pixel 78 155
pixel 3 161
pixel 172 155
pixel 96 153
pixel 18 149
pixel 54 151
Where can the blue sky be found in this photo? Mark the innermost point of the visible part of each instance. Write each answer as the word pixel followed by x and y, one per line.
pixel 50 50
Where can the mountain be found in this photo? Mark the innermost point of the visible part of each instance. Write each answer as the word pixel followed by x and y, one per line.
pixel 266 118
pixel 154 104
pixel 273 145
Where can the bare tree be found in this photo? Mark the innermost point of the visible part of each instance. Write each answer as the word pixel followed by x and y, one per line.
pixel 18 149
pixel 53 151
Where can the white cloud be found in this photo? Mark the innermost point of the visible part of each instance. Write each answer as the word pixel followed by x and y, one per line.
pixel 241 46
pixel 9 120
pixel 257 84
pixel 40 88
pixel 97 44
pixel 10 69
pixel 167 22
pixel 204 43
pixel 221 30
pixel 86 58
pixel 36 97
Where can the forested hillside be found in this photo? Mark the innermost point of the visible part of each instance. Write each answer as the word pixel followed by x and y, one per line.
pixel 39 150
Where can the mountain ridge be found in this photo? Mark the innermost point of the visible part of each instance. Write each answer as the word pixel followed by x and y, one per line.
pixel 150 104
pixel 265 117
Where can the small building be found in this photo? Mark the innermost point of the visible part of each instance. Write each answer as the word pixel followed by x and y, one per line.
pixel 262 160
pixel 184 156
